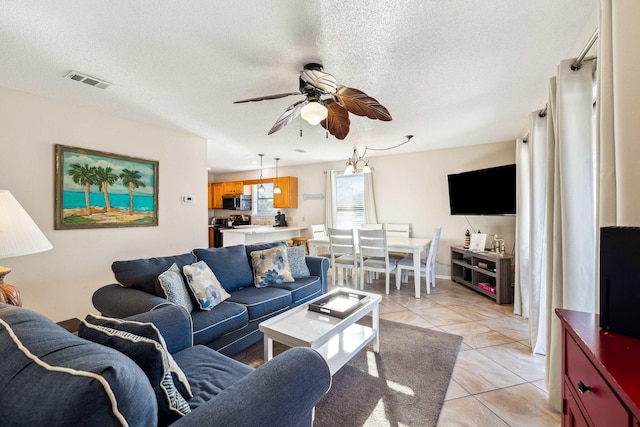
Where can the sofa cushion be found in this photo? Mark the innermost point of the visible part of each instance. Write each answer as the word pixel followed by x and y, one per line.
pixel 146 330
pixel 204 285
pixel 224 318
pixel 151 358
pixel 297 262
pixel 209 372
pixel 174 287
pixel 261 302
pixel 67 378
pixel 230 265
pixel 271 266
pixel 143 273
pixel 302 289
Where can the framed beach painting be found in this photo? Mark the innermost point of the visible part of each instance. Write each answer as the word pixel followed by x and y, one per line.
pixel 99 190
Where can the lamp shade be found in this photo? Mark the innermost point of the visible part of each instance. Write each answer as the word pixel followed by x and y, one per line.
pixel 19 235
pixel 314 113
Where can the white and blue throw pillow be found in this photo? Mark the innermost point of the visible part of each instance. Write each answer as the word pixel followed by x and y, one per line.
pixel 174 288
pixel 271 267
pixel 297 262
pixel 204 285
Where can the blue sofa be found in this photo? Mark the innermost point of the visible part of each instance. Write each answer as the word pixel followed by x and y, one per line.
pixel 51 377
pixel 231 326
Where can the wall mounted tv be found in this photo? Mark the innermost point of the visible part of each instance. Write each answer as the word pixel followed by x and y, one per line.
pixel 489 191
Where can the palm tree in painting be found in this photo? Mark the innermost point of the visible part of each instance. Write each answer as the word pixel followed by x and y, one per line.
pixel 104 178
pixel 85 176
pixel 132 180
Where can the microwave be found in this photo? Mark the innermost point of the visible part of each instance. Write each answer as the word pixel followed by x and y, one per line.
pixel 236 202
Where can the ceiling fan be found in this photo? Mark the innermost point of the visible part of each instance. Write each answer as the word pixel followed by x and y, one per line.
pixel 326 102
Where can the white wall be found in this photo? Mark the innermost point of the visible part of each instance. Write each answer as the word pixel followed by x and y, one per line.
pixel 59 283
pixel 409 188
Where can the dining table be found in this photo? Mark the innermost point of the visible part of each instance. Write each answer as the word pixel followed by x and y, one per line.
pixel 412 245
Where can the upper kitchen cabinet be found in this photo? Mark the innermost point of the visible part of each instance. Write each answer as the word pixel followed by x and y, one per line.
pixel 233 187
pixel 288 198
pixel 216 190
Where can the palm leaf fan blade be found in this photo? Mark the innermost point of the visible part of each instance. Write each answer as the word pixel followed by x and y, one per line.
pixel 291 113
pixel 337 121
pixel 361 104
pixel 262 98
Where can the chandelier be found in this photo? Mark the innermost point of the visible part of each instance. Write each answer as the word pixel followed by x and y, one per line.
pixel 358 164
pixel 354 162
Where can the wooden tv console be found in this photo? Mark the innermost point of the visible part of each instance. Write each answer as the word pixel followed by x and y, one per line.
pixel 485 272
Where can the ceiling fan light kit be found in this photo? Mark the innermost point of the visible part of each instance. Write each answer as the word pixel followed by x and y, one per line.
pixel 314 113
pixel 326 103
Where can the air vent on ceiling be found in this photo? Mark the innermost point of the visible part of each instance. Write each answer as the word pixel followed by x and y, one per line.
pixel 91 81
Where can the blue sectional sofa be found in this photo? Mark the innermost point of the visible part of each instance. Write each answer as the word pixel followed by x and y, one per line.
pixel 51 377
pixel 230 326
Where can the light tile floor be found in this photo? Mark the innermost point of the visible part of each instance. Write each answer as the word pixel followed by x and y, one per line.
pixel 497 381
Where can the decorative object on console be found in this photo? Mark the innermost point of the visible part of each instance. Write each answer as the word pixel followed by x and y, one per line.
pixel 478 240
pixel 276 188
pixel 19 235
pixel 326 103
pixel 467 239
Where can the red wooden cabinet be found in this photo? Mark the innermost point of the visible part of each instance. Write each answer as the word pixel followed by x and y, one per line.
pixel 601 374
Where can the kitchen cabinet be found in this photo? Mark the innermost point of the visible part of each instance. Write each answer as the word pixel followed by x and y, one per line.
pixel 600 373
pixel 288 198
pixel 217 190
pixel 233 187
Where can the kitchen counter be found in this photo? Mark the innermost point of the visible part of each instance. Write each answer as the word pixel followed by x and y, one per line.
pixel 249 234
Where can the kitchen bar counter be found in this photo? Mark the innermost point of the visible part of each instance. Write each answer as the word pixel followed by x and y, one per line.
pixel 247 235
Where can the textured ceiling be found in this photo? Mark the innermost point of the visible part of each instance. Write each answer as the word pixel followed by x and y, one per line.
pixel 452 73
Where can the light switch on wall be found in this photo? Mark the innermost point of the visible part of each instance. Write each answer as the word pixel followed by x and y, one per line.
pixel 187 199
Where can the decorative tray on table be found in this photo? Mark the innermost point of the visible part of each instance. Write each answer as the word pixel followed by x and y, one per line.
pixel 339 304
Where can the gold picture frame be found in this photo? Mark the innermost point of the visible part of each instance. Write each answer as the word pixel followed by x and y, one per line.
pixel 95 189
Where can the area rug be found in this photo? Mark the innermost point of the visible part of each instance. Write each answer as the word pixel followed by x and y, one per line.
pixel 403 385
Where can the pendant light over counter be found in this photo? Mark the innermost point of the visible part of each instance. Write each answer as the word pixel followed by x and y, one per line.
pixel 261 187
pixel 276 188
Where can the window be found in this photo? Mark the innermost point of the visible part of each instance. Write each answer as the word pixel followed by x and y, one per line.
pixel 264 200
pixel 350 201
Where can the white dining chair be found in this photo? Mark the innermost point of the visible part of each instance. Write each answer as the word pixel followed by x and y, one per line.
pixel 319 231
pixel 427 264
pixel 398 230
pixel 374 255
pixel 342 246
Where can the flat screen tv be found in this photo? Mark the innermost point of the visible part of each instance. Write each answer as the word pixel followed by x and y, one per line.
pixel 489 191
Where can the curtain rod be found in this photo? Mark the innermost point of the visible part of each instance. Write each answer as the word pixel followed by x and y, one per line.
pixel 578 62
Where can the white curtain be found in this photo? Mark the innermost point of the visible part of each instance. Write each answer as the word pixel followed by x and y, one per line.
pixel 370 215
pixel 330 213
pixel 561 218
pixel 618 112
pixel 523 179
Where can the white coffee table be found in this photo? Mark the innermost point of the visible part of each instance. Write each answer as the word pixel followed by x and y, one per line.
pixel 336 339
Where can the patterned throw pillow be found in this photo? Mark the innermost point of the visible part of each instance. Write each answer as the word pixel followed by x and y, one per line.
pixel 297 262
pixel 174 288
pixel 145 330
pixel 204 285
pixel 152 358
pixel 271 267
